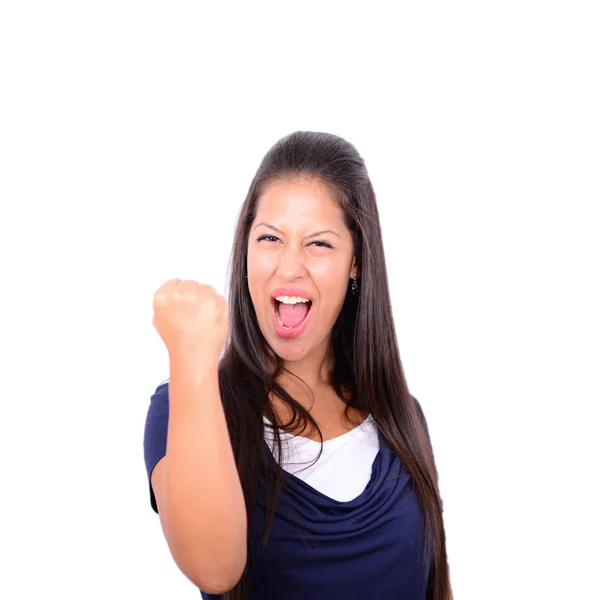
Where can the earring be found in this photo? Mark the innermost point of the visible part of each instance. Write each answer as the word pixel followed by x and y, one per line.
pixel 354 286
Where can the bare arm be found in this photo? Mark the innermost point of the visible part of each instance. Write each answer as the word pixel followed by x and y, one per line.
pixel 196 485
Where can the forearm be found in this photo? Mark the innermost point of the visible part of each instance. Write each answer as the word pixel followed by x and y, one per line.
pixel 204 502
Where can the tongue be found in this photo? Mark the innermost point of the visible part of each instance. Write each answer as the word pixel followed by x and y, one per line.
pixel 293 314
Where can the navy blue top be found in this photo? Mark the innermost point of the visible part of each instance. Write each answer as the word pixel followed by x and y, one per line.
pixel 319 548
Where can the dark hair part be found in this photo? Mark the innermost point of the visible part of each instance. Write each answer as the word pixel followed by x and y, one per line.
pixel 365 350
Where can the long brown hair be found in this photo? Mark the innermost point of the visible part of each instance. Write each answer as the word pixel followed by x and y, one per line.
pixel 365 349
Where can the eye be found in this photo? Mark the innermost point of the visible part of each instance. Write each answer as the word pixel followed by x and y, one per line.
pixel 265 236
pixel 272 238
pixel 323 244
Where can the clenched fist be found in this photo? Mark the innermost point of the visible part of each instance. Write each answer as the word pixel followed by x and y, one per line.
pixel 191 318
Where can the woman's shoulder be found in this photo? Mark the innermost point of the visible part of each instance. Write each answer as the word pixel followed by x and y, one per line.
pixel 421 415
pixel 163 388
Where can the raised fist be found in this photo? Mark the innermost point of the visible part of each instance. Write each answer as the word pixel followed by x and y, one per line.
pixel 191 318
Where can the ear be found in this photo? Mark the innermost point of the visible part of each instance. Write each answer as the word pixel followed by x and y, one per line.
pixel 354 269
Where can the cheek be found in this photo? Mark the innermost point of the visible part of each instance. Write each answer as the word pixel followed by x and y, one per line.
pixel 260 263
pixel 332 290
pixel 330 274
pixel 257 282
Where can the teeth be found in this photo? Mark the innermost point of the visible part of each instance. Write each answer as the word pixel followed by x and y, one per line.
pixel 291 299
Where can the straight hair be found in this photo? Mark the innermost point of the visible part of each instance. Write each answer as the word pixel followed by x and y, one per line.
pixel 364 345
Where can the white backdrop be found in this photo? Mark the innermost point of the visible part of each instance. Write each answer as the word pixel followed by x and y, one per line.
pixel 129 133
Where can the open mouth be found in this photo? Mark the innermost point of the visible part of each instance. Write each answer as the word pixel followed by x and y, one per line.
pixel 291 316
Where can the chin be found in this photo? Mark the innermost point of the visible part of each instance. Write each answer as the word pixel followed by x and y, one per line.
pixel 290 352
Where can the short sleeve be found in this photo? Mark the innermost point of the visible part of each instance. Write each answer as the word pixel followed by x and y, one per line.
pixel 155 433
pixel 424 422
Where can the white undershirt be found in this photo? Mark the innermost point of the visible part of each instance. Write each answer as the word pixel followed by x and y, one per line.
pixel 344 467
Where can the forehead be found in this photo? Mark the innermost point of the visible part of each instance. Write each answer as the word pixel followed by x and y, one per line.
pixel 298 202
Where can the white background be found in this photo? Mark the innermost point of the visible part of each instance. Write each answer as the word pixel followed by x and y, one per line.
pixel 129 133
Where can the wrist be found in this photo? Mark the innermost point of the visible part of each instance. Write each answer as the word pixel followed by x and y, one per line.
pixel 195 360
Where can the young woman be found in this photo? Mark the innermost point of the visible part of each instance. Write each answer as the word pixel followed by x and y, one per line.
pixel 286 457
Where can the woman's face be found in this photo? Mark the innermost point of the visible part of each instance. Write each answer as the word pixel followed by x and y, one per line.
pixel 298 246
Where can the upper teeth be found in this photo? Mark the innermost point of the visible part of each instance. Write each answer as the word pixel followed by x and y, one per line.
pixel 291 299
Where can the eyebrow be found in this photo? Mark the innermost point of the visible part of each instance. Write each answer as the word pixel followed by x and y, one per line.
pixel 312 235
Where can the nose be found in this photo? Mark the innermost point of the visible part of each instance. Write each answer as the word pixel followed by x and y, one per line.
pixel 291 262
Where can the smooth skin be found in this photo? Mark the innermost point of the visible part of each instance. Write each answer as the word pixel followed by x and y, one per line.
pixel 196 484
pixel 284 252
